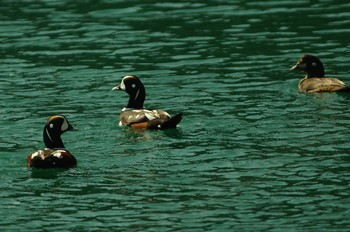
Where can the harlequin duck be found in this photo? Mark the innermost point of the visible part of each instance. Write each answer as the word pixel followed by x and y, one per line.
pixel 314 81
pixel 135 115
pixel 55 155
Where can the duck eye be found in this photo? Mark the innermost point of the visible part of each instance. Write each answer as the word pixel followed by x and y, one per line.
pixel 314 64
pixel 133 86
pixel 51 125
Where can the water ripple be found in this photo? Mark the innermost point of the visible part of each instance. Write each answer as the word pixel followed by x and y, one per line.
pixel 250 154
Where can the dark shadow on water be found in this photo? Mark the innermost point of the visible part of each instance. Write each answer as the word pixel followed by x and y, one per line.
pixel 137 133
pixel 344 94
pixel 50 173
pixel 173 133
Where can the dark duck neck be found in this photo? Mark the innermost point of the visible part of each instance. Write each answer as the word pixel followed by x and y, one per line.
pixel 52 137
pixel 315 71
pixel 137 95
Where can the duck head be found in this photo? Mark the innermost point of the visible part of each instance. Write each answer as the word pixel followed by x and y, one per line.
pixel 53 129
pixel 311 65
pixel 134 87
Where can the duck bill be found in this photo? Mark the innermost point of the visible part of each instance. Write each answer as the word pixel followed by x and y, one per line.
pixel 294 67
pixel 71 128
pixel 116 87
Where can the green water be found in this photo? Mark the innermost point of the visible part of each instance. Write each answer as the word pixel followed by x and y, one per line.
pixel 251 154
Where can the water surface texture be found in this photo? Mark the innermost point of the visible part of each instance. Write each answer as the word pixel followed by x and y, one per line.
pixel 251 154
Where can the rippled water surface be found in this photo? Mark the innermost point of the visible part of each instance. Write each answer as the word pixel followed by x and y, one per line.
pixel 251 154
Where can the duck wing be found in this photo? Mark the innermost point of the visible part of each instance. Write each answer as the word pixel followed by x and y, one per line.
pixel 150 119
pixel 325 84
pixel 128 117
pixel 50 158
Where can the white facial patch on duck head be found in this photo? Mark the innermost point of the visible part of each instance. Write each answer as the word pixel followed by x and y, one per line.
pixel 122 85
pixel 314 64
pixel 64 126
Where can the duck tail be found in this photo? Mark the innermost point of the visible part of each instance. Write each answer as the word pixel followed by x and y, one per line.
pixel 160 123
pixel 345 89
pixel 172 122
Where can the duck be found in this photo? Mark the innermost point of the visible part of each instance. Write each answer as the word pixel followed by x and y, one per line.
pixel 315 80
pixel 55 155
pixel 135 115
